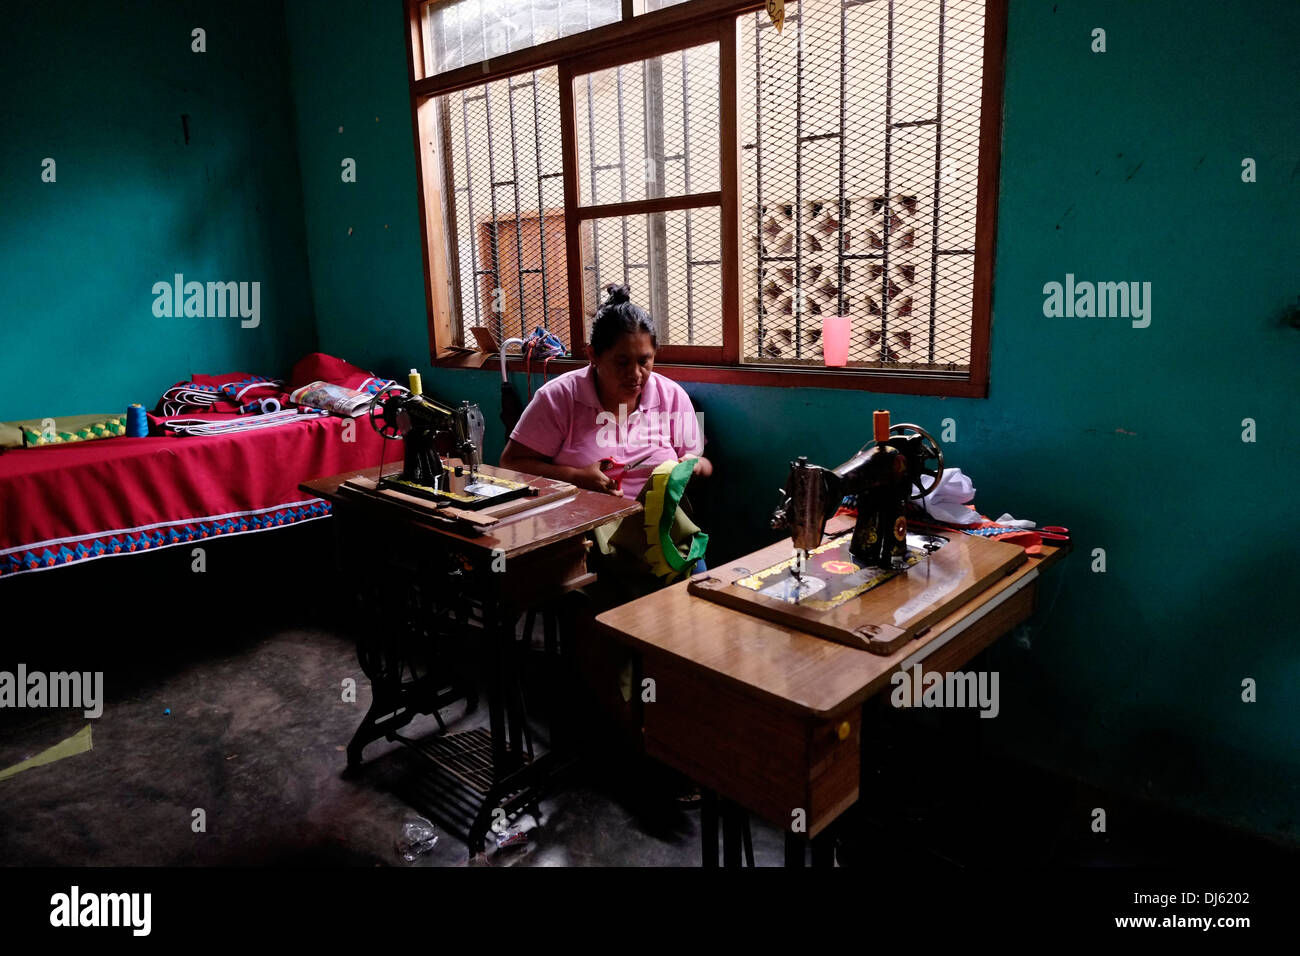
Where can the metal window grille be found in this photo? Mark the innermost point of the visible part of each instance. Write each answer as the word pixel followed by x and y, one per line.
pixel 646 130
pixel 860 135
pixel 504 172
pixel 677 255
pixel 470 31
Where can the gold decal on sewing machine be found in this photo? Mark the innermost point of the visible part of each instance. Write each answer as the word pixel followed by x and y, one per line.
pixel 779 582
pixel 485 486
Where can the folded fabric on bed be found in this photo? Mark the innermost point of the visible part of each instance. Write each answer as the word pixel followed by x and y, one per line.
pixel 63 504
pixel 208 424
pixel 238 392
pixel 230 392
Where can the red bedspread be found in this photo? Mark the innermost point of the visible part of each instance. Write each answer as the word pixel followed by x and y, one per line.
pixel 65 504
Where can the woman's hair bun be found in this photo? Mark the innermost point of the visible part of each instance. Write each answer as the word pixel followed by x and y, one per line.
pixel 616 317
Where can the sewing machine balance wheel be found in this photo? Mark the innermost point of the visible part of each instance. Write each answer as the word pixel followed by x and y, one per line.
pixel 381 418
pixel 930 451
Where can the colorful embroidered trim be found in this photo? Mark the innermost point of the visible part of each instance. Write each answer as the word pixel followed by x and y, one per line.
pixel 373 386
pixel 188 398
pixel 107 544
pixel 109 428
pixel 234 391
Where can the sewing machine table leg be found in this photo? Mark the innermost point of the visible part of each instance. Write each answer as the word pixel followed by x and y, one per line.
pixel 731 823
pixel 823 851
pixel 795 849
pixel 708 829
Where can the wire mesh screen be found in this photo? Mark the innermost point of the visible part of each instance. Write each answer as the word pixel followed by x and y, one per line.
pixel 672 263
pixel 503 165
pixel 650 128
pixel 652 5
pixel 469 31
pixel 860 136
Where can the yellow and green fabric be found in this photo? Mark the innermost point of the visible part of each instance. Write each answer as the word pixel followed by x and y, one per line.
pixel 662 539
pixel 69 428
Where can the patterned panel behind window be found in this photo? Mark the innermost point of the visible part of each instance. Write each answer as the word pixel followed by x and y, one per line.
pixel 860 134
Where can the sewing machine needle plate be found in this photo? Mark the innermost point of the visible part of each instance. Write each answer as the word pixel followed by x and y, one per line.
pixel 831 576
pixel 486 490
pixel 793 590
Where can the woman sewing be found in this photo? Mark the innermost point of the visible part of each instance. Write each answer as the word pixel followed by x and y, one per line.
pixel 605 427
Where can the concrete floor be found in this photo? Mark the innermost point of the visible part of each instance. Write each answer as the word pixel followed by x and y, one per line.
pixel 255 738
pixel 256 733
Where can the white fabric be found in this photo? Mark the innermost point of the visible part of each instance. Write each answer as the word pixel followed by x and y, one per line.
pixel 1023 523
pixel 228 426
pixel 947 501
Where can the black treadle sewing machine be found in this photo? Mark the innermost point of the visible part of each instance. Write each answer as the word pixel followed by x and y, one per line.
pixel 883 476
pixel 432 432
pixel 855 588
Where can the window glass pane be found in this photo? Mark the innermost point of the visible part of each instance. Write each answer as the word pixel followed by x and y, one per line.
pixel 649 128
pixel 672 264
pixel 860 133
pixel 506 210
pixel 464 32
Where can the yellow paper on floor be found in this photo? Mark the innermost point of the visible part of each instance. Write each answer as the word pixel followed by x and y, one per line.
pixel 78 743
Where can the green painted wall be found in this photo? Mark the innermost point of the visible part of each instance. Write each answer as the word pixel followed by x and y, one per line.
pixel 348 69
pixel 102 92
pixel 1116 166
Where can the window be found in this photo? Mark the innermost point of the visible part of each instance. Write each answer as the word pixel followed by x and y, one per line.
pixel 860 172
pixel 744 182
pixel 648 131
pixel 503 181
pixel 467 32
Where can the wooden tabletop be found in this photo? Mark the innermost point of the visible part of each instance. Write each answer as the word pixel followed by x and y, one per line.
pixel 791 669
pixel 513 534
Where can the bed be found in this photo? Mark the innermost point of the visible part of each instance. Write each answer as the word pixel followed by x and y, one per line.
pixel 69 504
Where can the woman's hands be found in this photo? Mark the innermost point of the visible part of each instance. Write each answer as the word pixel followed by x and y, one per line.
pixel 519 457
pixel 593 479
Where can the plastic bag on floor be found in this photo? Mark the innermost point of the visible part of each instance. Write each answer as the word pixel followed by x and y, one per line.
pixel 416 838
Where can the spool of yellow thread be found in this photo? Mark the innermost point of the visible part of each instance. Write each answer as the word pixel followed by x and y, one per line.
pixel 413 380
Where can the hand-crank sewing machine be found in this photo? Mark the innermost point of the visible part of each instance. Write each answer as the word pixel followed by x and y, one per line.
pixel 431 432
pixel 859 588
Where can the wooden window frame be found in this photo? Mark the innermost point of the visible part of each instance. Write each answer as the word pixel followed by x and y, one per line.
pixel 726 34
pixel 634 38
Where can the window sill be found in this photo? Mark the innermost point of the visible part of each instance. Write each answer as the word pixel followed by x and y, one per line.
pixel 937 383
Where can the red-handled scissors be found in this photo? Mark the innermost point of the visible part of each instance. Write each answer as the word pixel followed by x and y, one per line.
pixel 1054 532
pixel 618 470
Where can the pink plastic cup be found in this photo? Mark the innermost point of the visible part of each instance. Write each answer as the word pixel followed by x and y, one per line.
pixel 835 339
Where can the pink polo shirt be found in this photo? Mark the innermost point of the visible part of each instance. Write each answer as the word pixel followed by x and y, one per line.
pixel 566 423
